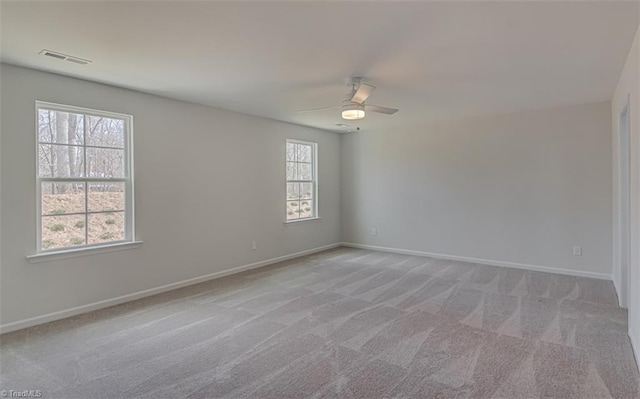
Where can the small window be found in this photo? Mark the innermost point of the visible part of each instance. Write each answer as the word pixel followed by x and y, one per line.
pixel 84 177
pixel 302 184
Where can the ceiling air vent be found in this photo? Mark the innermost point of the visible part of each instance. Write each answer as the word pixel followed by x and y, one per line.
pixel 65 57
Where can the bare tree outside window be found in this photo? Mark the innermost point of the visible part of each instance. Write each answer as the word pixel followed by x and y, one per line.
pixel 301 193
pixel 83 177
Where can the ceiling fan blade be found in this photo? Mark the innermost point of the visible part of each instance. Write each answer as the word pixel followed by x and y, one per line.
pixel 382 110
pixel 318 109
pixel 363 92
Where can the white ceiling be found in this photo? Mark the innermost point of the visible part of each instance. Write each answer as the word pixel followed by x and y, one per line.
pixel 433 60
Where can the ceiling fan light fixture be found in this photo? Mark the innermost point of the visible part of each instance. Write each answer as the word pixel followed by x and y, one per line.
pixel 353 111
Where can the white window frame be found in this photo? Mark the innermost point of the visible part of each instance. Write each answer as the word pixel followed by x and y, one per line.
pixel 314 174
pixel 129 217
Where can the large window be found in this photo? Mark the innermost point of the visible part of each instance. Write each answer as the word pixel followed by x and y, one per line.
pixel 84 177
pixel 302 187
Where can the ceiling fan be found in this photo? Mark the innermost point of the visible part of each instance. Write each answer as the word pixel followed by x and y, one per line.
pixel 354 107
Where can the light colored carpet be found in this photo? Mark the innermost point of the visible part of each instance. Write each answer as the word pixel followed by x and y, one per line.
pixel 344 323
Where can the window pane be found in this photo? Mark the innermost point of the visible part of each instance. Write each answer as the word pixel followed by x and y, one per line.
pixel 60 198
pixel 293 191
pixel 104 162
pixel 304 153
pixel 106 227
pixel 60 161
pixel 306 190
pixel 46 161
pixel 293 210
pixel 60 127
pixel 62 231
pixel 291 152
pixel 105 132
pixel 304 171
pixel 46 126
pixel 306 209
pixel 106 197
pixel 76 146
pixel 292 171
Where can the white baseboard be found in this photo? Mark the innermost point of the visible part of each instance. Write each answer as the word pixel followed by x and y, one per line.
pixel 615 286
pixel 569 272
pixel 63 314
pixel 634 337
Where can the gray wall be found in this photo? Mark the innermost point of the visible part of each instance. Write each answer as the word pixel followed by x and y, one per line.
pixel 521 188
pixel 628 89
pixel 207 182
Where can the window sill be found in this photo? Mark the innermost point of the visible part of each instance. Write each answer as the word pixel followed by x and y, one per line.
pixel 301 220
pixel 73 253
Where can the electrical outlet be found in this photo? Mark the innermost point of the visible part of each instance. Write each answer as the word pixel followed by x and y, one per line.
pixel 374 231
pixel 253 246
pixel 577 251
